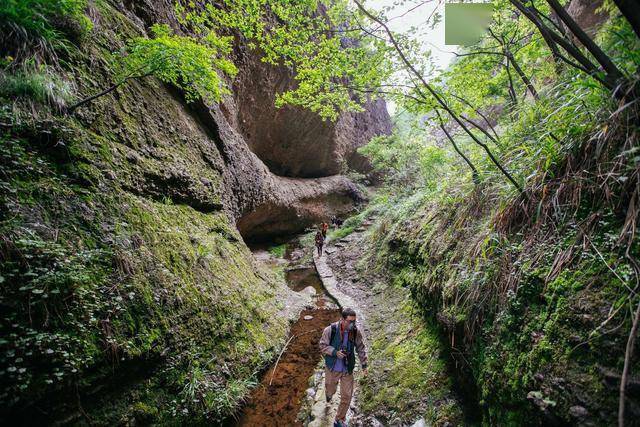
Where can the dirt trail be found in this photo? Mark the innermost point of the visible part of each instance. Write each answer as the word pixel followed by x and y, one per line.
pixel 296 396
pixel 340 287
pixel 400 390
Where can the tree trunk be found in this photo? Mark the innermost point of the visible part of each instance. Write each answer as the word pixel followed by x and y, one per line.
pixel 110 89
pixel 511 89
pixel 92 97
pixel 631 10
pixel 478 112
pixel 474 172
pixel 554 39
pixel 603 59
pixel 522 75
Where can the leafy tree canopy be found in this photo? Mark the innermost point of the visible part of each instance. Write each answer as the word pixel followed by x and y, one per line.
pixel 195 65
pixel 324 46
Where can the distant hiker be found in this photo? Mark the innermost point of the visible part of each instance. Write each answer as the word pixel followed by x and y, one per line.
pixel 324 227
pixel 319 242
pixel 336 222
pixel 338 342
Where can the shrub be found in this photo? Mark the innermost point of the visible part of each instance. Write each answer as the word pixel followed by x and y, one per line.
pixel 45 18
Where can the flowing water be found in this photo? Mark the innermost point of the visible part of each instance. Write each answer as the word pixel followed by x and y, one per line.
pixel 278 397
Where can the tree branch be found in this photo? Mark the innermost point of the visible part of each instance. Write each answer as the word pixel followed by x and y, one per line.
pixel 437 97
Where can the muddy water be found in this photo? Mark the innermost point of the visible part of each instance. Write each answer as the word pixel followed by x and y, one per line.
pixel 277 399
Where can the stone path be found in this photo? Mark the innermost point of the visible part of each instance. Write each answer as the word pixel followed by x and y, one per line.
pixel 322 413
pixel 347 277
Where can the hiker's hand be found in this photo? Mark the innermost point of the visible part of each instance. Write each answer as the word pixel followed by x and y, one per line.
pixel 341 354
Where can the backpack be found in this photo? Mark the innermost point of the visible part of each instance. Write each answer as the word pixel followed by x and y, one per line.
pixel 334 331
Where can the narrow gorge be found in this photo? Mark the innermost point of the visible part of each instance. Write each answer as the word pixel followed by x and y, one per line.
pixel 166 168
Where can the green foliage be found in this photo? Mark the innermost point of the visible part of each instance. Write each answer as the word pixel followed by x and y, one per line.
pixel 198 66
pixel 181 310
pixel 349 225
pixel 44 18
pixel 407 371
pixel 278 251
pixel 304 35
pixel 41 84
pixel 39 30
pixel 405 158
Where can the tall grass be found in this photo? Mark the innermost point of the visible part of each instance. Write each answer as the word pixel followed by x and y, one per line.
pixel 39 84
pixel 39 28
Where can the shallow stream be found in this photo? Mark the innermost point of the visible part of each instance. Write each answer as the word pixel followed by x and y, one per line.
pixel 282 389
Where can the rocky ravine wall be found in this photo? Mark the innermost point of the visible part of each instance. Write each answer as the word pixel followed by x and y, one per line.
pixel 294 142
pixel 128 293
pixel 270 154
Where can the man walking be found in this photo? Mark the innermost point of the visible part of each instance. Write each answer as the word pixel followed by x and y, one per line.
pixel 339 343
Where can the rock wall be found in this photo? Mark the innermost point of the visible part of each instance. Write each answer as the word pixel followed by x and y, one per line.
pixel 587 14
pixel 129 296
pixel 291 141
pixel 264 147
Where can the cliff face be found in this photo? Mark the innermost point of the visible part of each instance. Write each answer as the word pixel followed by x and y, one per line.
pixel 294 142
pixel 588 14
pixel 264 148
pixel 126 280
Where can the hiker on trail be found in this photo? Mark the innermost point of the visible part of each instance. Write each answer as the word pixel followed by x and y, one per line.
pixel 319 242
pixel 324 227
pixel 336 222
pixel 338 343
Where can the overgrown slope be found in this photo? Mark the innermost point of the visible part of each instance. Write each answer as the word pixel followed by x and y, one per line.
pixel 534 291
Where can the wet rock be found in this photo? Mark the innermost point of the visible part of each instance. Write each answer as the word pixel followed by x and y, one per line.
pixel 308 317
pixel 419 423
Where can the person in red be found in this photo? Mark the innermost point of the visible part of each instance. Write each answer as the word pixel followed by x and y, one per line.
pixel 339 343
pixel 324 227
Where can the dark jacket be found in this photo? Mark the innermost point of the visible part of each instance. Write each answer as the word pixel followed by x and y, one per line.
pixel 330 343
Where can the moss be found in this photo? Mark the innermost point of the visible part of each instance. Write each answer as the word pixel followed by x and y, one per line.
pixel 278 251
pixel 408 375
pixel 124 290
pixel 524 325
pixel 349 225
